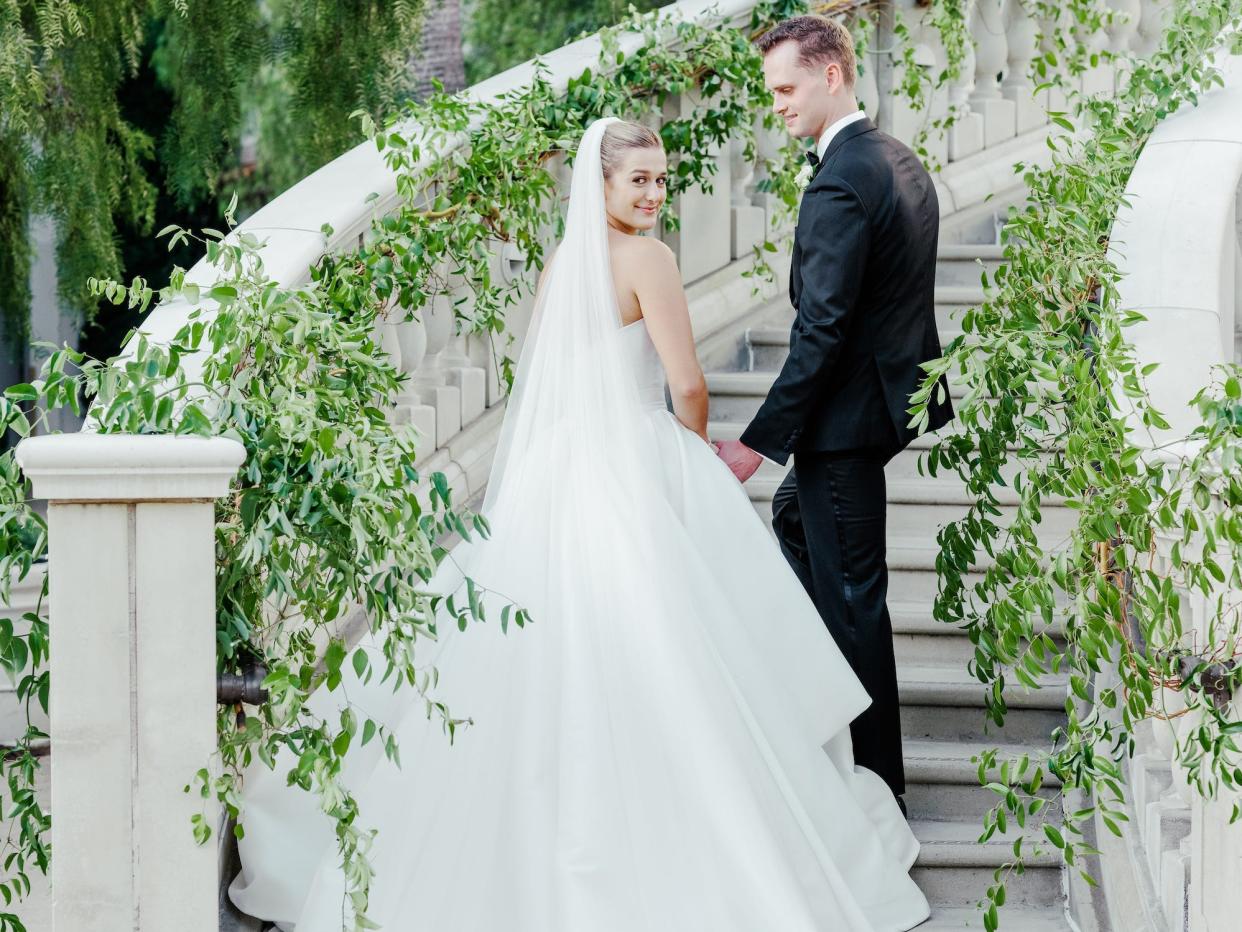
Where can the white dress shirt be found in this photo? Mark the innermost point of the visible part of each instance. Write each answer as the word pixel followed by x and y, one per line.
pixel 821 144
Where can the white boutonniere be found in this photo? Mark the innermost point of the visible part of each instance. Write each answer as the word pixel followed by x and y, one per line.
pixel 803 178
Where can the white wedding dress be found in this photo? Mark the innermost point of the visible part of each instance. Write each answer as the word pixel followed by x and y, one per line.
pixel 665 749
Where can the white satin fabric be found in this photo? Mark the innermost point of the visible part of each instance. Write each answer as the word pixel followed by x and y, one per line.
pixel 666 748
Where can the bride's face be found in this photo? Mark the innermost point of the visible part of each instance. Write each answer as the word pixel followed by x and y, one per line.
pixel 635 192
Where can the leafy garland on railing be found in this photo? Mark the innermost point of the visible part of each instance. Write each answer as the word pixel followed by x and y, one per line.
pixel 1048 380
pixel 325 516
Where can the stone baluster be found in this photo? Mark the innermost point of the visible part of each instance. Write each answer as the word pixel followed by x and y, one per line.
pixel 966 131
pixel 459 369
pixel 1100 78
pixel 702 242
pixel 748 224
pixel 902 120
pixel 1151 23
pixel 412 341
pixel 768 146
pixel 1022 34
pixel 23 599
pixel 1053 99
pixel 1237 282
pixel 131 525
pixel 510 265
pixel 987 28
pixel 1123 36
pixel 430 383
pixel 866 80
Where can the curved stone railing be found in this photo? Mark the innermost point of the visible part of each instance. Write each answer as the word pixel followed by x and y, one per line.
pixel 1178 248
pixel 453 396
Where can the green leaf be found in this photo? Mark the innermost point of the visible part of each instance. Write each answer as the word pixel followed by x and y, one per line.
pixel 22 391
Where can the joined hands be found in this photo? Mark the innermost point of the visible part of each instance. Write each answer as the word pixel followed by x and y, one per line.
pixel 741 459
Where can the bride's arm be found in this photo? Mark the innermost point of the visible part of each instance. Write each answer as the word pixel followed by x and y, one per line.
pixel 663 301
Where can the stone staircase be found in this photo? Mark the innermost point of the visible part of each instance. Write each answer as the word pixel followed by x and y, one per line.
pixel 943 717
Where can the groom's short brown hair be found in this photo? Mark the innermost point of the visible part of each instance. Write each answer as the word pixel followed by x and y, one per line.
pixel 820 41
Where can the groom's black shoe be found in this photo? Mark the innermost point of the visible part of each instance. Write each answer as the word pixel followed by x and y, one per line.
pixel 901 804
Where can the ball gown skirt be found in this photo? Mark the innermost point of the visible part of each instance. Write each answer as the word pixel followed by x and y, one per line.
pixel 664 749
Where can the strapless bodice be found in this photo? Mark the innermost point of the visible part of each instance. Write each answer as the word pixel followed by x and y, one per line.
pixel 645 363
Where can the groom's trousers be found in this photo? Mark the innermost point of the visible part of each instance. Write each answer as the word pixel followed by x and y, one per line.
pixel 829 515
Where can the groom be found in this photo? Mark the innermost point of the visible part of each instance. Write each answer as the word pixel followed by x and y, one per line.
pixel 861 282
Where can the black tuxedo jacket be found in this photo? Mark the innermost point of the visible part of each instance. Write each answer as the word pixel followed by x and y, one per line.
pixel 862 283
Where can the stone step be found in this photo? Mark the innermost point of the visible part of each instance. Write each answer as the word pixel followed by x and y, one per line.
pixel 736 396
pixel 769 344
pixel 918 509
pixel 962 264
pixel 910 490
pixel 943 702
pixel 919 585
pixel 970 919
pixel 942 782
pixel 949 646
pixel 905 465
pixel 954 869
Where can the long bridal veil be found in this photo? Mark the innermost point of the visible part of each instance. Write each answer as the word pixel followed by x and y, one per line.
pixel 665 747
pixel 574 418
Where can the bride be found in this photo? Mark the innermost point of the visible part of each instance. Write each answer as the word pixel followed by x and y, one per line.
pixel 666 748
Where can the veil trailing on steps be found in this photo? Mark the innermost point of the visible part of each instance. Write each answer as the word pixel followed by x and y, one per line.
pixel 664 749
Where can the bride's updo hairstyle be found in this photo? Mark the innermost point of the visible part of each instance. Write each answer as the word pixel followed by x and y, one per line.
pixel 621 137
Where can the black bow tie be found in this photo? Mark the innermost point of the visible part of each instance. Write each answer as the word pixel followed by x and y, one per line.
pixel 813 157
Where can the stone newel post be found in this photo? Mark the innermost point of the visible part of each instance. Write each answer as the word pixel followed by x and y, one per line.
pixel 132 583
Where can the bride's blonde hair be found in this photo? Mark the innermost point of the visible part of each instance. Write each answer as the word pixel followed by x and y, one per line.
pixel 619 138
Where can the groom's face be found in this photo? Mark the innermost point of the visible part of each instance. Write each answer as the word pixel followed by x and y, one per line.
pixel 804 96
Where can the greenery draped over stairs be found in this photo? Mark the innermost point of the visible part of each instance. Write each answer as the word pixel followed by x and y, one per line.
pixel 326 513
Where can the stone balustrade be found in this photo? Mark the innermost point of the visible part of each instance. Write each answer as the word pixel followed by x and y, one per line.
pixel 1178 248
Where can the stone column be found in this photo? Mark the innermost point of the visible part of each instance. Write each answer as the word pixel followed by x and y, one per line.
pixel 133 672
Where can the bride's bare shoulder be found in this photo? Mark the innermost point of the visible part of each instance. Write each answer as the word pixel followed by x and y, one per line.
pixel 642 254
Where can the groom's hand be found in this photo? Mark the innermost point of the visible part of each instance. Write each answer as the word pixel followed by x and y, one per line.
pixel 741 459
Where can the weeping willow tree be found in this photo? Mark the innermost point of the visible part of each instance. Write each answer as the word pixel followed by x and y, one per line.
pixel 287 71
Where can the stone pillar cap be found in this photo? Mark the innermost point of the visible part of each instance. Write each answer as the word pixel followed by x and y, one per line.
pixel 129 467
